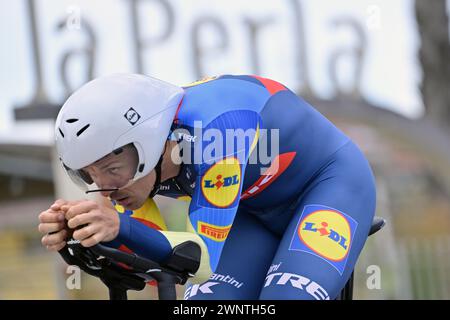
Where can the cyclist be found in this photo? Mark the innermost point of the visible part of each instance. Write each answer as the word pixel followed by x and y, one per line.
pixel 281 201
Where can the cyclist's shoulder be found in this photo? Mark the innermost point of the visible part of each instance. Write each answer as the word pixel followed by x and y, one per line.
pixel 210 98
pixel 223 88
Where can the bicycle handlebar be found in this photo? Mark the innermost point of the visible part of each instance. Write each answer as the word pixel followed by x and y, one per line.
pixel 132 260
pixel 104 262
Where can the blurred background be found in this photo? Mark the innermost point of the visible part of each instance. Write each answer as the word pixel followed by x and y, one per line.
pixel 379 69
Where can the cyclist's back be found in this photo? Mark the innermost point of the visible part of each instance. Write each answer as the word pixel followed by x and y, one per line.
pixel 309 207
pixel 306 138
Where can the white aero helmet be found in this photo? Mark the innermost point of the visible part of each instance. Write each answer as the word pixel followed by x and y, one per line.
pixel 110 112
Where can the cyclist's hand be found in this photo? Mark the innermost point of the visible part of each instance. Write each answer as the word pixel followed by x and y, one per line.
pixel 52 224
pixel 94 223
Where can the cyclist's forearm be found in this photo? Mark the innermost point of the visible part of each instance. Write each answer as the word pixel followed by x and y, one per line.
pixel 157 245
pixel 142 240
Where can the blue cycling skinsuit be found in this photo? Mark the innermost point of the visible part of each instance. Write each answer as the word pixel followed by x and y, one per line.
pixel 283 215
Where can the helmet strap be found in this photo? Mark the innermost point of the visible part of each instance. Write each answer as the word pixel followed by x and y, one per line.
pixel 158 178
pixel 158 174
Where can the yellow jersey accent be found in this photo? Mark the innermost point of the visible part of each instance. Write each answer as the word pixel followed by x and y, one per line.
pixel 149 214
pixel 174 237
pixel 203 80
pixel 255 139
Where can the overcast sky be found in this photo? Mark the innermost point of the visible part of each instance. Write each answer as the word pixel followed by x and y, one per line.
pixel 390 76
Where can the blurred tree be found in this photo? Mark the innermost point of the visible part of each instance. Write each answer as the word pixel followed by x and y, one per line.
pixel 434 55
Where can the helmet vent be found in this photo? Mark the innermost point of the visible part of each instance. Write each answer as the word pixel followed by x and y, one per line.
pixel 82 130
pixel 71 120
pixel 60 131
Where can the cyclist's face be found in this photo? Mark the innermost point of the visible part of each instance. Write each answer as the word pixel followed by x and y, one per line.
pixel 117 171
pixel 134 196
pixel 114 170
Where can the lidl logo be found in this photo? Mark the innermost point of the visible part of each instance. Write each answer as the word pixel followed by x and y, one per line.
pixel 221 183
pixel 325 232
pixel 213 232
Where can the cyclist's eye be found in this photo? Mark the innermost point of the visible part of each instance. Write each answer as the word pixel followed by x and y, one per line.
pixel 113 170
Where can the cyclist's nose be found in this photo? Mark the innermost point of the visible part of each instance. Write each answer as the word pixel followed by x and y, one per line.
pixel 104 183
pixel 105 193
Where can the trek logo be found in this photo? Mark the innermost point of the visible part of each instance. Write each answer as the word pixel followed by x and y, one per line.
pixel 221 183
pixel 213 232
pixel 186 137
pixel 298 282
pixel 325 232
pixel 204 288
pixel 132 116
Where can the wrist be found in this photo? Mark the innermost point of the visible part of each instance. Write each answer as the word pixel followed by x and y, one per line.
pixel 114 227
